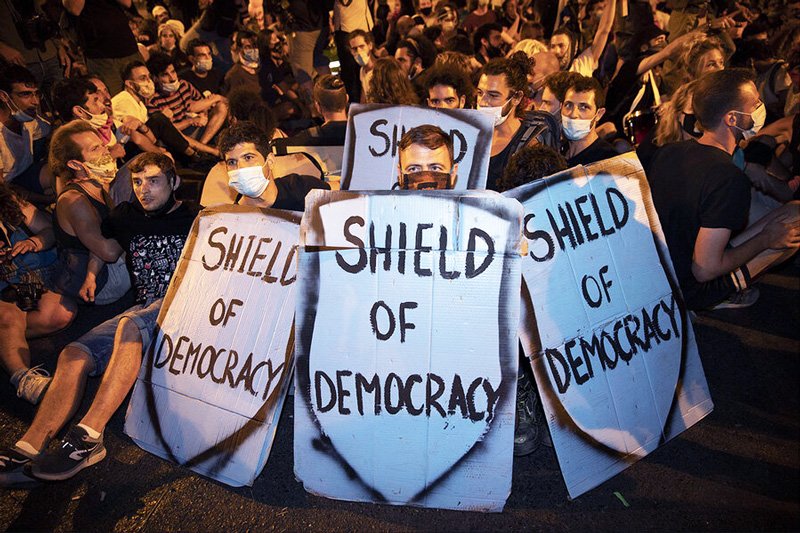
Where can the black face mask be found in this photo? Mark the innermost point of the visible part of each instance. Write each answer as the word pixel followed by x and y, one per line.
pixel 426 179
pixel 426 11
pixel 688 125
pixel 493 51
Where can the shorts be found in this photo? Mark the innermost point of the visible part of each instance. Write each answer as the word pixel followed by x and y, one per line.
pixel 29 178
pixel 99 342
pixel 706 295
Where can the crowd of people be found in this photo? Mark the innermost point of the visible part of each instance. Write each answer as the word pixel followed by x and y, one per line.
pixel 105 105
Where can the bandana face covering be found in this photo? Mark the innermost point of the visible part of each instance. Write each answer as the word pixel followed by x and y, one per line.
pixel 426 179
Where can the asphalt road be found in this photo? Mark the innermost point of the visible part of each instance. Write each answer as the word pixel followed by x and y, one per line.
pixel 738 469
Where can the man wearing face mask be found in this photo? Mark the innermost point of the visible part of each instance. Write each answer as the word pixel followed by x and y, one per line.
pixel 132 118
pixel 201 73
pixel 702 200
pixel 151 231
pixel 23 136
pixel 79 99
pixel 361 46
pixel 85 169
pixel 249 161
pixel 245 72
pixel 425 159
pixel 582 109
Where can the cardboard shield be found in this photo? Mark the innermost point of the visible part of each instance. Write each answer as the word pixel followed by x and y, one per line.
pixel 374 131
pixel 406 356
pixel 610 342
pixel 214 378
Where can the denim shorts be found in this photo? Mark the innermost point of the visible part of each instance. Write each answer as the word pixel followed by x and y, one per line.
pixel 99 342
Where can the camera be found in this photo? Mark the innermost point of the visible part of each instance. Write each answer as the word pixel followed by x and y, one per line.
pixel 25 295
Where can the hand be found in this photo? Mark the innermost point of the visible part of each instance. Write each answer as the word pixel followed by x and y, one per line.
pixel 129 125
pixel 783 232
pixel 117 151
pixel 12 55
pixel 200 120
pixel 65 60
pixel 23 247
pixel 86 292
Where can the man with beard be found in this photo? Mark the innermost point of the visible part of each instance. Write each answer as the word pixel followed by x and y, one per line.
pixel 564 44
pixel 425 159
pixel 152 230
pixel 487 43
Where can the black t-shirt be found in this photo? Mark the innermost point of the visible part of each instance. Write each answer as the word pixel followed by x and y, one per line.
pixel 597 151
pixel 292 191
pixel 693 186
pixel 104 29
pixel 499 162
pixel 330 134
pixel 212 82
pixel 152 245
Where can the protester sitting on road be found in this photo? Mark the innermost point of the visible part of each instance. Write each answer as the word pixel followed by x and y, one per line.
pixel 86 170
pixel 446 87
pixel 201 72
pixel 330 102
pixel 23 135
pixel 246 152
pixel 531 163
pixel 582 109
pixel 170 34
pixel 702 199
pixel 192 113
pixel 425 159
pixel 132 117
pixel 245 72
pixel 151 231
pixel 27 257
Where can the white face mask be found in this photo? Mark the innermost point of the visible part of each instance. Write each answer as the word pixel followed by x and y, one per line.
pixel 576 129
pixel 248 181
pixel 145 89
pixel 104 168
pixel 496 112
pixel 759 116
pixel 171 87
pixel 97 121
pixel 204 65
pixel 362 59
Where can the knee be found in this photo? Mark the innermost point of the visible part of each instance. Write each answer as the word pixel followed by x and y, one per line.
pixel 128 331
pixel 63 315
pixel 74 361
pixel 157 120
pixel 10 316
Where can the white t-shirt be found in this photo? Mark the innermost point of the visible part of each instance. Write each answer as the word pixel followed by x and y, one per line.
pixel 124 104
pixel 584 64
pixel 353 16
pixel 365 77
pixel 16 149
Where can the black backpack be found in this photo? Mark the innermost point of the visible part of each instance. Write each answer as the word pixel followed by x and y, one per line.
pixel 541 126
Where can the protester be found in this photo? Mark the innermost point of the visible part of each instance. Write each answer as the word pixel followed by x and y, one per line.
pixel 22 136
pixel 347 18
pixel 361 48
pixel 191 112
pixel 245 72
pixel 564 44
pixel 202 73
pixel 448 88
pixel 425 159
pixel 28 265
pixel 487 43
pixel 554 90
pixel 702 200
pixel 170 34
pixel 330 102
pixel 582 109
pixel 501 89
pixel 82 163
pixel 479 16
pixel 246 152
pixel 389 85
pixel 415 54
pixel 152 230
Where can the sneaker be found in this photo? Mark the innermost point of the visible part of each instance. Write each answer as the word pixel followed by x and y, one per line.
pixel 33 384
pixel 527 430
pixel 14 473
pixel 77 451
pixel 739 300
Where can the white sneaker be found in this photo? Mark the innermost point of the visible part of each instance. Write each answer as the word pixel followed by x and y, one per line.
pixel 739 300
pixel 33 384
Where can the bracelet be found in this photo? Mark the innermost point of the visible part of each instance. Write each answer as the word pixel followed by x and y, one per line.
pixel 143 129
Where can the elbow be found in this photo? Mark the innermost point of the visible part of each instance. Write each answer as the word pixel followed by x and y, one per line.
pixel 703 274
pixel 110 255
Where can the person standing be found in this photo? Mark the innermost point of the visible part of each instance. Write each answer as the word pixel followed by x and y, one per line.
pixel 348 16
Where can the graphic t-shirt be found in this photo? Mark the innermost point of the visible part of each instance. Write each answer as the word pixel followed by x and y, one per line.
pixel 153 244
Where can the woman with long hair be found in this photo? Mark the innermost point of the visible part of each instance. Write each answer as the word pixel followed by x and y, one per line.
pixel 390 85
pixel 676 122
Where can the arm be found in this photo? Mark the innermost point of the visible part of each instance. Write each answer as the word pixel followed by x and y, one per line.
pixel 73 7
pixel 204 104
pixel 85 223
pixel 668 51
pixel 87 290
pixel 43 236
pixel 604 29
pixel 712 259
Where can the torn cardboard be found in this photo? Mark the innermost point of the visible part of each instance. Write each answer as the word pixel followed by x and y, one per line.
pixel 213 381
pixel 612 349
pixel 374 131
pixel 407 347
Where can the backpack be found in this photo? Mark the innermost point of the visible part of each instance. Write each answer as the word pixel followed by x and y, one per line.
pixel 541 126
